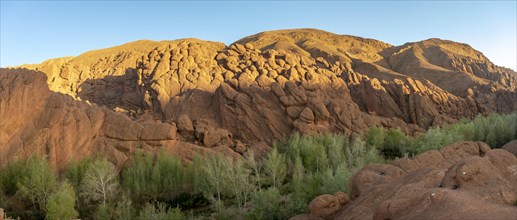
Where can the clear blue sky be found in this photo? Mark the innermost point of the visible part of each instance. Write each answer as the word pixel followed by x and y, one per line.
pixel 34 31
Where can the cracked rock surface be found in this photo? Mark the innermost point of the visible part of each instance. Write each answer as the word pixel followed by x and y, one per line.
pixel 191 96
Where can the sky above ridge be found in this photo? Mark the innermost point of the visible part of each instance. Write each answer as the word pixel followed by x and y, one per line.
pixel 33 31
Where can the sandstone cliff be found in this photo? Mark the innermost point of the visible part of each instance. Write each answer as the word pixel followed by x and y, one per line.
pixel 205 96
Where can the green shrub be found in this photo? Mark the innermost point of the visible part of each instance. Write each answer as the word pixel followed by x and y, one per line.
pixel 316 152
pixel 5 217
pixel 102 212
pixel 465 128
pixel 375 137
pixel 296 204
pixel 12 174
pixel 394 143
pixel 163 177
pixel 336 180
pixel 313 185
pixel 322 164
pixel 160 212
pixel 265 204
pixel 123 208
pixel 61 204
pixel 435 138
pixel 498 129
pixel 495 130
pixel 358 154
pixel 169 175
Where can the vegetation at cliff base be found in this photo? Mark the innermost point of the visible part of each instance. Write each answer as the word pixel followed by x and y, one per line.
pixel 277 186
pixel 495 130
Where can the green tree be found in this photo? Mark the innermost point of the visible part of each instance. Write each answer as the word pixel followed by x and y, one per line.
pixel 276 167
pixel 314 151
pixel 75 174
pixel 39 182
pixel 61 204
pixel 100 182
pixel 298 175
pixel 214 183
pixel 137 178
pixel 239 182
pixel 169 177
pixel 298 201
pixel 333 144
pixel 256 166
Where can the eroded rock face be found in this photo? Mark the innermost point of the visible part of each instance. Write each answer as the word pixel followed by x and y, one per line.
pixel 254 84
pixel 261 88
pixel 37 120
pixel 466 180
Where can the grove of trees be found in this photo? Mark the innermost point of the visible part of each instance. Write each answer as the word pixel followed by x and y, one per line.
pixel 278 186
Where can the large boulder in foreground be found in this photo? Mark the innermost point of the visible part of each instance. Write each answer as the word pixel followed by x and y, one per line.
pixel 511 147
pixel 465 180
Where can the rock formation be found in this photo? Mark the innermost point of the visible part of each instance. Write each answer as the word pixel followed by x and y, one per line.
pixel 511 147
pixel 192 96
pixel 465 180
pixel 37 120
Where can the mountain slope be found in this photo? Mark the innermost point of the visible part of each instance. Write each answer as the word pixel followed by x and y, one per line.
pixel 263 87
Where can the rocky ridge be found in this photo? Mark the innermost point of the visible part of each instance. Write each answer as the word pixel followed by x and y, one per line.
pixel 191 96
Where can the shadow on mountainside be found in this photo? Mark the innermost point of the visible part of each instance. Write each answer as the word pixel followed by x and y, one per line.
pixel 123 91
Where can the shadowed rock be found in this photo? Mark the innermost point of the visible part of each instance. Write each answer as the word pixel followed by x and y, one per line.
pixel 148 95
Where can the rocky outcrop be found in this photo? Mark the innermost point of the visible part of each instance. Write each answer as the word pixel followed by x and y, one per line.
pixel 425 83
pixel 263 87
pixel 37 120
pixel 511 147
pixel 466 180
